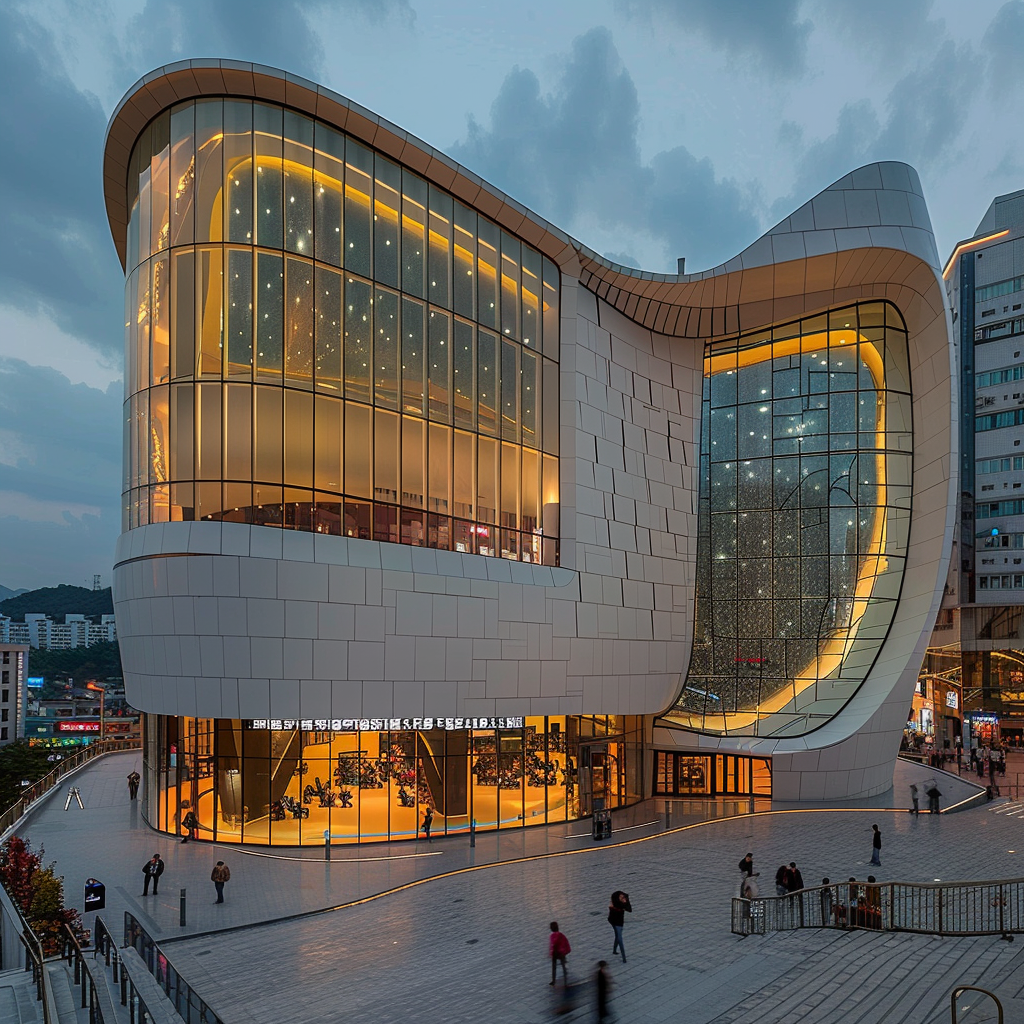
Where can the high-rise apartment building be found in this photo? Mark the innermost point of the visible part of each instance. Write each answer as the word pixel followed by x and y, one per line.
pixel 13 676
pixel 985 593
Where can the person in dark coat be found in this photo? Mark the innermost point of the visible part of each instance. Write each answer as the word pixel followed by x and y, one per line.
pixel 191 825
pixel 617 910
pixel 152 870
pixel 782 881
pixel 602 984
pixel 747 865
pixel 794 881
pixel 933 795
pixel 876 846
pixel 133 785
pixel 428 820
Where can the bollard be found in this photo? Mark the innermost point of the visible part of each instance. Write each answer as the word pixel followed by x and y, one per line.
pixel 181 909
pixel 472 833
pixel 327 844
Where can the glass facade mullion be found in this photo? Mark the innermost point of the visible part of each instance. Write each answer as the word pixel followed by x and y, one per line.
pixel 266 250
pixel 799 483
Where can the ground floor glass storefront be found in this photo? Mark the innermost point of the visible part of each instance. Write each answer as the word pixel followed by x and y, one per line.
pixel 711 775
pixel 287 783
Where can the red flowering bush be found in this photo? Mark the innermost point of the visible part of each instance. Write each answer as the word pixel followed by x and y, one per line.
pixel 38 893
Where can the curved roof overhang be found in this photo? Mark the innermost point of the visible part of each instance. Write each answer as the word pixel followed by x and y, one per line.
pixel 752 289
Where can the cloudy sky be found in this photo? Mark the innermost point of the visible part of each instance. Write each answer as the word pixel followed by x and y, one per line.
pixel 649 129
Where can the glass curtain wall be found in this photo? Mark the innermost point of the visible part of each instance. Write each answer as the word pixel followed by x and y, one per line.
pixel 287 783
pixel 317 339
pixel 804 517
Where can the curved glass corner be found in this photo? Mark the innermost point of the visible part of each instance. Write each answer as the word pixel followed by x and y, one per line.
pixel 804 519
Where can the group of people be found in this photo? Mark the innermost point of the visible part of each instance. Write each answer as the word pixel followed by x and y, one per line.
pixel 862 906
pixel 559 948
pixel 931 791
pixel 154 868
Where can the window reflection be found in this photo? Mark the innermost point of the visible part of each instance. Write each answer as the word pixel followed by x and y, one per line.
pixel 802 520
pixel 393 297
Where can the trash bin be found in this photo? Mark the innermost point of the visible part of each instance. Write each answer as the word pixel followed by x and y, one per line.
pixel 602 825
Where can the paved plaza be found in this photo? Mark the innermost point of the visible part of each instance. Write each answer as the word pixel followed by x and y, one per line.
pixel 470 943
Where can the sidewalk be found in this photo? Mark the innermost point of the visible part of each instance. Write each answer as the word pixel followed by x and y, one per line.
pixel 470 945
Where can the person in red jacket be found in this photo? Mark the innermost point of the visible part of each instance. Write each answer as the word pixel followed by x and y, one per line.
pixel 558 950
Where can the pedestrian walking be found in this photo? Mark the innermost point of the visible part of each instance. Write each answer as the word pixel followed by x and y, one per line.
pixel 933 795
pixel 220 874
pixel 617 910
pixel 876 846
pixel 152 870
pixel 191 825
pixel 558 950
pixel 782 881
pixel 133 785
pixel 914 798
pixel 428 820
pixel 826 904
pixel 602 985
pixel 794 880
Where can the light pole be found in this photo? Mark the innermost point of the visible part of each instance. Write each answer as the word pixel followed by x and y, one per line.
pixel 103 693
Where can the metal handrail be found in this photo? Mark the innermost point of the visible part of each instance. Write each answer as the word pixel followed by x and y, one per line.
pixel 927 908
pixel 70 763
pixel 956 993
pixel 71 951
pixel 184 998
pixel 130 995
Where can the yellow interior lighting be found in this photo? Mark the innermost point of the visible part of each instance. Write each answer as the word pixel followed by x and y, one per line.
pixel 874 562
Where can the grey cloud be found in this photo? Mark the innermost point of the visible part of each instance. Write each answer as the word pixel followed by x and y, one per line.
pixel 573 156
pixel 64 441
pixel 925 113
pixel 882 29
pixel 770 33
pixel 68 436
pixel 1004 43
pixel 280 33
pixel 57 256
pixel 928 108
pixel 38 554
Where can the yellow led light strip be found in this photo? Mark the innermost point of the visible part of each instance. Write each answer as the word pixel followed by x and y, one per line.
pixel 967 246
pixel 874 563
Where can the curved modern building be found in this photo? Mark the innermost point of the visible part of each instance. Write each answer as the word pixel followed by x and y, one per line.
pixel 428 505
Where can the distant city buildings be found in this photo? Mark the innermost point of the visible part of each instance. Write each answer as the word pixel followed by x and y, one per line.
pixel 13 680
pixel 975 667
pixel 43 633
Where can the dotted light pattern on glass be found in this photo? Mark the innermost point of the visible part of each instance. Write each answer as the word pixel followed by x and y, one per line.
pixel 804 516
pixel 318 339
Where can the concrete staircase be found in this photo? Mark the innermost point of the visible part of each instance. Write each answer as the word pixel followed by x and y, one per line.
pixel 18 1003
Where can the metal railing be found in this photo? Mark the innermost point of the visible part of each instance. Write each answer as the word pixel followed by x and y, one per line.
pixel 971 1005
pixel 957 908
pixel 70 763
pixel 106 946
pixel 71 951
pixel 191 1008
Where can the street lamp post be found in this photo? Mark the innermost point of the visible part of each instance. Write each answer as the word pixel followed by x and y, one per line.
pixel 103 693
